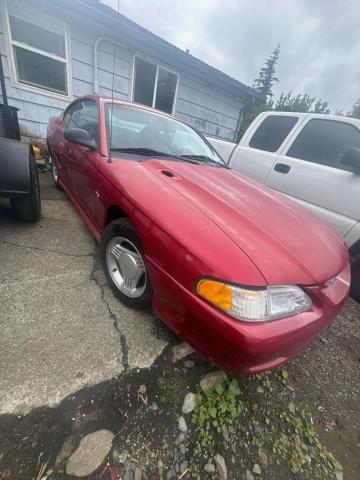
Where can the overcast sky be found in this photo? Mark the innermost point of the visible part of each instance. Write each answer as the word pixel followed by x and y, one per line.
pixel 319 39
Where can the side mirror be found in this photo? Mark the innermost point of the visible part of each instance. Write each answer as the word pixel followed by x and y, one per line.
pixel 351 160
pixel 80 137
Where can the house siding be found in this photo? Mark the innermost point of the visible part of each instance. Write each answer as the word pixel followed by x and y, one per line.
pixel 211 111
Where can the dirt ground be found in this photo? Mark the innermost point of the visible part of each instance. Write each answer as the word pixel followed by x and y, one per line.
pixel 294 416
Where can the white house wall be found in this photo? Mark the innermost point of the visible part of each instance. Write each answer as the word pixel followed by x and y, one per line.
pixel 209 110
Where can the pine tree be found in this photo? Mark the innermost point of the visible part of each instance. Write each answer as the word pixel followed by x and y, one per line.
pixel 264 82
pixel 355 110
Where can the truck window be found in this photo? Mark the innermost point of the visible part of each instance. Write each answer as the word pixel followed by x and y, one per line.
pixel 272 132
pixel 325 142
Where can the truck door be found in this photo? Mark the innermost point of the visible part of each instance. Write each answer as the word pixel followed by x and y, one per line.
pixel 261 145
pixel 311 171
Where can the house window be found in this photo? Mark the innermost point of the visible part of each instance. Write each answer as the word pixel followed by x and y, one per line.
pixel 154 86
pixel 39 50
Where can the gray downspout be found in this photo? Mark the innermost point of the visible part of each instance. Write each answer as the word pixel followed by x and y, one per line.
pixel 2 83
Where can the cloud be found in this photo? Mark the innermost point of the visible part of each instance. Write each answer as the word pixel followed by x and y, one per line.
pixel 320 40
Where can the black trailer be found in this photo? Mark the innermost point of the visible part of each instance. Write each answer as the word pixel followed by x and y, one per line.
pixel 19 180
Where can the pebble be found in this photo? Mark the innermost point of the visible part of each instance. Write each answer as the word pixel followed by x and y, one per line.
pixel 182 424
pixel 160 466
pixel 182 448
pixel 142 389
pixel 209 381
pixel 209 468
pixel 260 389
pixel 170 474
pixel 339 475
pixel 189 363
pixel 154 407
pixel 263 458
pixel 249 475
pixel 291 408
pixel 180 439
pixel 181 351
pixel 129 475
pixel 221 466
pixel 90 454
pixel 138 474
pixel 257 469
pixel 189 403
pixel 184 466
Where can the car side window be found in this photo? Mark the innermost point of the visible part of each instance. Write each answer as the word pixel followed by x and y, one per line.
pixel 325 142
pixel 272 132
pixel 69 112
pixel 86 117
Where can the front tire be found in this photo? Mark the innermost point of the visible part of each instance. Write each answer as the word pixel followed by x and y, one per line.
pixel 123 262
pixel 28 209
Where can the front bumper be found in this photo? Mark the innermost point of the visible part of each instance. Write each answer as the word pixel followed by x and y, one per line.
pixel 243 347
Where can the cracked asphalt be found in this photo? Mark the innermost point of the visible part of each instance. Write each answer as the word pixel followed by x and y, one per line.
pixel 61 328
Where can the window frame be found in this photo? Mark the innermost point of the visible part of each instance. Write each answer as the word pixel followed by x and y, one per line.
pixel 158 66
pixel 14 78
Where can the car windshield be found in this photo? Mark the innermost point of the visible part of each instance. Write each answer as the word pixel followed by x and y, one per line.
pixel 132 128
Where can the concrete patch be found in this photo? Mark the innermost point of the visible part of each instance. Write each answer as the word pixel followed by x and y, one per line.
pixel 61 328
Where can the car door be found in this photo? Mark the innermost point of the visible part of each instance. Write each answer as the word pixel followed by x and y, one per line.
pixel 262 143
pixel 82 162
pixel 312 173
pixel 61 143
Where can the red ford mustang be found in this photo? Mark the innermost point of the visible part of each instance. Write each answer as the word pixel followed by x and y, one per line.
pixel 243 274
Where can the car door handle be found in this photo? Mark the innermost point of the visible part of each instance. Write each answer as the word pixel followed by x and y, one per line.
pixel 282 168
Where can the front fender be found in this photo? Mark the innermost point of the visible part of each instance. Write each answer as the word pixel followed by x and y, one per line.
pixel 15 158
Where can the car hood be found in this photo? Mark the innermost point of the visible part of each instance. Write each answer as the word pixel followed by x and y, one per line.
pixel 287 243
pixel 279 236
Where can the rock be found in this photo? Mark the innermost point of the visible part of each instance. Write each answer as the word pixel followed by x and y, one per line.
pixel 221 466
pixel 122 456
pixel 184 466
pixel 189 364
pixel 182 424
pixel 257 469
pixel 209 381
pixel 291 408
pixel 160 466
pixel 249 475
pixel 263 458
pixel 90 454
pixel 209 468
pixel 339 475
pixel 189 403
pixel 129 475
pixel 138 474
pixel 260 389
pixel 170 474
pixel 154 407
pixel 181 351
pixel 180 439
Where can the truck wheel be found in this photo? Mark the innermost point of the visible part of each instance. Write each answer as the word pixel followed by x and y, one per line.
pixel 355 279
pixel 28 209
pixel 123 262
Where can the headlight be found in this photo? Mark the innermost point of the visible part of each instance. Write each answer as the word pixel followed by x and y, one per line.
pixel 255 304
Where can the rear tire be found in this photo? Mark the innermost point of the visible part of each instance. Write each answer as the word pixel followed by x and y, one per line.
pixel 128 264
pixel 355 279
pixel 28 209
pixel 55 173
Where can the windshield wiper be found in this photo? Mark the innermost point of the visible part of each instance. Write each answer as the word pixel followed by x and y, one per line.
pixel 206 159
pixel 150 152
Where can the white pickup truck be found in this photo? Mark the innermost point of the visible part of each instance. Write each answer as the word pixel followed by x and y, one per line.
pixel 312 158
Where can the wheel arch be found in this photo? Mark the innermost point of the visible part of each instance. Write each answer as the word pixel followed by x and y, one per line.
pixel 114 212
